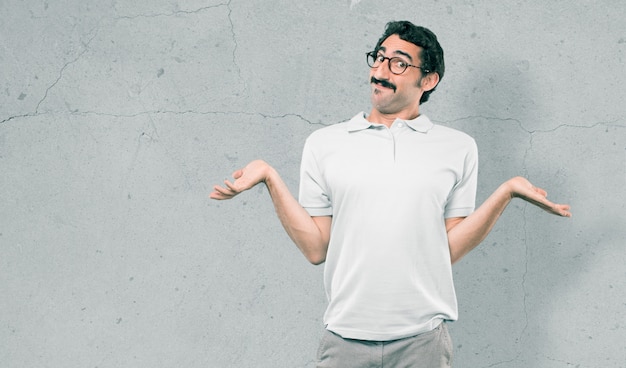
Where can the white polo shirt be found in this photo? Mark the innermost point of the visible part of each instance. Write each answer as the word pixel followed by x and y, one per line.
pixel 388 273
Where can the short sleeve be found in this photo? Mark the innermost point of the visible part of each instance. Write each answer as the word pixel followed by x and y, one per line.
pixel 314 195
pixel 462 199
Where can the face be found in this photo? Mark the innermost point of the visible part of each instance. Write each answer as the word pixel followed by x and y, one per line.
pixel 391 93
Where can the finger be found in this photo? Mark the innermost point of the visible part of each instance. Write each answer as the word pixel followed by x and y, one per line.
pixel 237 174
pixel 564 214
pixel 543 203
pixel 542 192
pixel 565 210
pixel 231 187
pixel 219 196
pixel 224 191
pixel 559 209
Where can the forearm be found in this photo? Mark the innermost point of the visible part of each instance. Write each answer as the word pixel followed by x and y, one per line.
pixel 465 235
pixel 309 235
pixel 473 229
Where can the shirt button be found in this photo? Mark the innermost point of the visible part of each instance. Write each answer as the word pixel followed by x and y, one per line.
pixel 399 125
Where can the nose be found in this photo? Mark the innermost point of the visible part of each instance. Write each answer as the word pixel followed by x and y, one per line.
pixel 383 71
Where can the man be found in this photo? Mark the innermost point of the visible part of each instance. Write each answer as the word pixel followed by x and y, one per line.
pixel 387 201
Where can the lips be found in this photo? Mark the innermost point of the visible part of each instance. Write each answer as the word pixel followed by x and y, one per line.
pixel 383 83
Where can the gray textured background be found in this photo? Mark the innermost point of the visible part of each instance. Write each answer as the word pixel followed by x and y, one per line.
pixel 117 117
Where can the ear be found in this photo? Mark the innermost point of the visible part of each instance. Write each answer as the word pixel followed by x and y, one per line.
pixel 430 81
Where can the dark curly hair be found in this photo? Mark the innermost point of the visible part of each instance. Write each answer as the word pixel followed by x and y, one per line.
pixel 431 56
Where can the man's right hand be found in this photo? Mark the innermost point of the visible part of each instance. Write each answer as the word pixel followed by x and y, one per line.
pixel 254 173
pixel 311 234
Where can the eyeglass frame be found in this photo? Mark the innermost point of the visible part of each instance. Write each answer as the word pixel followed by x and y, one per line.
pixel 376 55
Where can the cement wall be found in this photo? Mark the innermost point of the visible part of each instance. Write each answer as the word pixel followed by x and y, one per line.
pixel 117 117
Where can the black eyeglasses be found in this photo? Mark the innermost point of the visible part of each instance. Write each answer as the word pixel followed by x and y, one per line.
pixel 396 65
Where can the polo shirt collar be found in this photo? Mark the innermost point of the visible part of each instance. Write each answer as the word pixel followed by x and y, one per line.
pixel 420 124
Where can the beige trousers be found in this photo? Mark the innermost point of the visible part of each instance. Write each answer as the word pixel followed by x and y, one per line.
pixel 432 349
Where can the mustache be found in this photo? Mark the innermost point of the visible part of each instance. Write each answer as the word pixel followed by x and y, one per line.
pixel 384 83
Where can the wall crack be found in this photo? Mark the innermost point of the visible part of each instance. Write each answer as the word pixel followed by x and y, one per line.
pixel 78 57
pixel 185 112
pixel 173 13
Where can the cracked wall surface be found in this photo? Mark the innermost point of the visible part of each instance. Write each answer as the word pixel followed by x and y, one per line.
pixel 117 117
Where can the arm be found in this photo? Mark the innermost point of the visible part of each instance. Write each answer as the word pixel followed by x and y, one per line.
pixel 310 234
pixel 465 233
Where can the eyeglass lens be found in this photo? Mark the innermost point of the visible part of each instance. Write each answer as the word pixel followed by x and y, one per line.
pixel 396 65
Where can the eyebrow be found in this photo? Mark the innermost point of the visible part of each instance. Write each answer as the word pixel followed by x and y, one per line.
pixel 398 52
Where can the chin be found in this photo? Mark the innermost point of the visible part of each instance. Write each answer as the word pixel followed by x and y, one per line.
pixel 384 108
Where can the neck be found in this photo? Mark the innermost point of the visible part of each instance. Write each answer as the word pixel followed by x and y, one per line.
pixel 376 116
